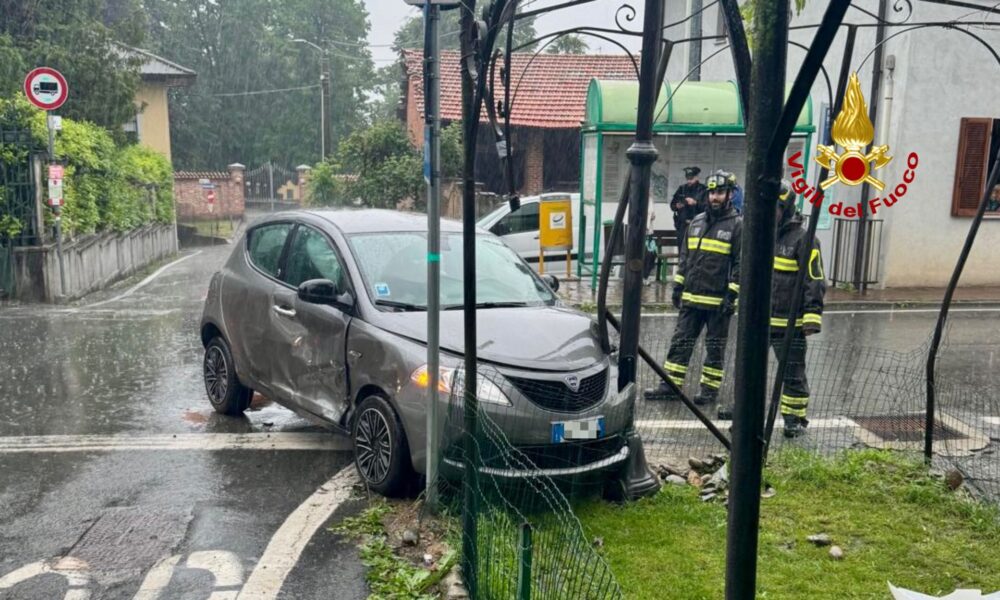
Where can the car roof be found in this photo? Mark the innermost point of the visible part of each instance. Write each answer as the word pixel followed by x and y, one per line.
pixel 369 220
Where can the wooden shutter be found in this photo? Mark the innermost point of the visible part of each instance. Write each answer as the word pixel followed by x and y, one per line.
pixel 970 166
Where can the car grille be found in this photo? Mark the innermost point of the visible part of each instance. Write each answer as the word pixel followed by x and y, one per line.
pixel 555 395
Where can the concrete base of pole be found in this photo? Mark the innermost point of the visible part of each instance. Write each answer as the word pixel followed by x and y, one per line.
pixel 640 482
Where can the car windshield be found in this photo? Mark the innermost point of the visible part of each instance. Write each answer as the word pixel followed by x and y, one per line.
pixel 394 267
pixel 493 216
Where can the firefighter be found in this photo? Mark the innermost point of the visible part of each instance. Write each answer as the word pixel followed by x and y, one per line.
pixel 790 244
pixel 706 288
pixel 688 201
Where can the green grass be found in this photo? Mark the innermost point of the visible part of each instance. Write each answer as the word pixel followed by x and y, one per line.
pixel 894 522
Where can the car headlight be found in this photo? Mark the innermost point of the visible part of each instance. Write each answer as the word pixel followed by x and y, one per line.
pixel 453 380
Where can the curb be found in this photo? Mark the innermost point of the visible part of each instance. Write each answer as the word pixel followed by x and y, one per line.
pixel 900 305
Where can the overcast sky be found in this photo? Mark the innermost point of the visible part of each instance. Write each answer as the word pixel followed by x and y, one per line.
pixel 387 15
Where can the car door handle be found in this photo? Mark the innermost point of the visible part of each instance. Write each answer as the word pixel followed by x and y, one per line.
pixel 285 312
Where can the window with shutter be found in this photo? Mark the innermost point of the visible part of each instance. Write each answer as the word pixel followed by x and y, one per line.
pixel 971 166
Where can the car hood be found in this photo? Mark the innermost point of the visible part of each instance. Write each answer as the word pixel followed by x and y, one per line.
pixel 545 338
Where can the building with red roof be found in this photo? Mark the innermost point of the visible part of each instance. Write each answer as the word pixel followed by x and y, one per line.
pixel 548 102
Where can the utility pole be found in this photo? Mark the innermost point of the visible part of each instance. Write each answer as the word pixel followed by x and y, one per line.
pixel 324 86
pixel 763 180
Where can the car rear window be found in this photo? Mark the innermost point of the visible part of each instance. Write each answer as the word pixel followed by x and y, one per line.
pixel 264 246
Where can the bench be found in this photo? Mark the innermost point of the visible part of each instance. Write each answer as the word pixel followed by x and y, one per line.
pixel 667 254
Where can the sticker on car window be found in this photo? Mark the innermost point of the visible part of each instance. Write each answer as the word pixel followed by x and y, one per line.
pixel 381 290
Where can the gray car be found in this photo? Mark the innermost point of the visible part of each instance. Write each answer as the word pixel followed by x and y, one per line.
pixel 324 311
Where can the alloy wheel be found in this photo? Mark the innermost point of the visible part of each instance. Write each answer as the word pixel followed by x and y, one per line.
pixel 373 446
pixel 216 375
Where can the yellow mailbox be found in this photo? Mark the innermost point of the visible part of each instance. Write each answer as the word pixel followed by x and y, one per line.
pixel 555 220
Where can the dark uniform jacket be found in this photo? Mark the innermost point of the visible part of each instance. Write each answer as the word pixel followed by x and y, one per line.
pixel 683 213
pixel 789 246
pixel 710 259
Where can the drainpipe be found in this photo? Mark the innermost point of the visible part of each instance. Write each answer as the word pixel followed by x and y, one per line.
pixel 889 69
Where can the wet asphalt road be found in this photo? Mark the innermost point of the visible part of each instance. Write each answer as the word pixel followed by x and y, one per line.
pixel 125 364
pixel 131 367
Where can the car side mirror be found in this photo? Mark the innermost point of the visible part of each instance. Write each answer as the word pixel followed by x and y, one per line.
pixel 500 228
pixel 552 281
pixel 324 291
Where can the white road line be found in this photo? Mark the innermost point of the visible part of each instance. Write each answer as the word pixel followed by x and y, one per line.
pixel 137 286
pixel 285 548
pixel 834 423
pixel 180 441
pixel 874 311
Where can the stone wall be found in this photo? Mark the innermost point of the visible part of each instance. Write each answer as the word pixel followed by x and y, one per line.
pixel 91 262
pixel 191 199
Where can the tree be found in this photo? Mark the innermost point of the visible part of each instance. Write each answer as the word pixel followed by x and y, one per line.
pixel 378 167
pixel 79 38
pixel 568 44
pixel 257 96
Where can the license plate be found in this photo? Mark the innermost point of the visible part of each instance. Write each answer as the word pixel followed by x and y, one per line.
pixel 581 429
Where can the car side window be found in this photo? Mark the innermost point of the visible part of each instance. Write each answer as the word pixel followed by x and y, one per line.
pixel 311 257
pixel 522 220
pixel 264 246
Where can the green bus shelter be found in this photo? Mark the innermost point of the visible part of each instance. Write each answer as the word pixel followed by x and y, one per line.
pixel 698 124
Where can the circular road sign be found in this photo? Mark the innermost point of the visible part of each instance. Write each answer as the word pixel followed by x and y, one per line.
pixel 46 88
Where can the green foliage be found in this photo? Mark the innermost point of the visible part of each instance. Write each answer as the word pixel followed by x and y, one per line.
pixel 388 575
pixel 243 46
pixel 379 168
pixel 325 188
pixel 78 38
pixel 452 153
pixel 892 518
pixel 411 32
pixel 568 44
pixel 105 187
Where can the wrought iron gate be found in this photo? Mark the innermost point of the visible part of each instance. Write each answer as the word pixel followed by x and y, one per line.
pixel 20 215
pixel 271 187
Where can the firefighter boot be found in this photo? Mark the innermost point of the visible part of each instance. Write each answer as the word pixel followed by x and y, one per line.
pixel 707 396
pixel 795 426
pixel 661 393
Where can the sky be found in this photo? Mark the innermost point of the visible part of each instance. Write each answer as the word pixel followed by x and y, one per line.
pixel 387 15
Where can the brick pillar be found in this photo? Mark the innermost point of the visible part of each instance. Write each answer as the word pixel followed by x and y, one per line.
pixel 534 163
pixel 236 198
pixel 303 171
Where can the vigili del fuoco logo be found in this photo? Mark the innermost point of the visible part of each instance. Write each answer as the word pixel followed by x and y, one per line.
pixel 853 131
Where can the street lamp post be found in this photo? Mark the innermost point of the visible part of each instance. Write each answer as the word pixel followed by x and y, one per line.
pixel 324 84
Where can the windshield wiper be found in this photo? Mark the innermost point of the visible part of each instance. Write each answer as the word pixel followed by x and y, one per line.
pixel 487 305
pixel 405 306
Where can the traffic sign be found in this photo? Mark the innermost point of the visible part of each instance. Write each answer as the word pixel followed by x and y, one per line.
pixel 210 196
pixel 55 171
pixel 46 88
pixel 55 192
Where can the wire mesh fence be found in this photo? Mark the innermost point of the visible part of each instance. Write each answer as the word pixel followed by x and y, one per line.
pixel 546 441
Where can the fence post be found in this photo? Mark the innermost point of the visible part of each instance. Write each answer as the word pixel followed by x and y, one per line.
pixel 524 569
pixel 270 183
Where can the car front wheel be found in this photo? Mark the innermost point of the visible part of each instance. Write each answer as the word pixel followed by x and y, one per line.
pixel 227 395
pixel 381 453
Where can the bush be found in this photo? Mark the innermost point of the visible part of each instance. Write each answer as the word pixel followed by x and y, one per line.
pixel 105 187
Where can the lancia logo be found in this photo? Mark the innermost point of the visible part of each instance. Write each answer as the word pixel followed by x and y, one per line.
pixel 573 383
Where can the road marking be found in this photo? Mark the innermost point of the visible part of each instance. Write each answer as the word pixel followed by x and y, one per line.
pixel 225 567
pixel 285 548
pixel 73 570
pixel 157 579
pixel 874 311
pixel 137 286
pixel 180 441
pixel 834 423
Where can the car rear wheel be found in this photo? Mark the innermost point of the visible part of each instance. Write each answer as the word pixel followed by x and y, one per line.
pixel 381 453
pixel 227 395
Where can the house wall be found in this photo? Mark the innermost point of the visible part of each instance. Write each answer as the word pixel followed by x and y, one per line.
pixel 939 77
pixel 154 119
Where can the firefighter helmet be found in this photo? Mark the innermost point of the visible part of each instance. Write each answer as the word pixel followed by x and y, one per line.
pixel 720 180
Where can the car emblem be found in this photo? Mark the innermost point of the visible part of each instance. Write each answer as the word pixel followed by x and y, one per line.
pixel 573 383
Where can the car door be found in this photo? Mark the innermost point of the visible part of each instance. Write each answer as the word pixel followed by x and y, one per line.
pixel 519 230
pixel 308 359
pixel 248 292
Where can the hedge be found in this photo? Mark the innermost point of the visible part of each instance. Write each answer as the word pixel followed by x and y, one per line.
pixel 105 187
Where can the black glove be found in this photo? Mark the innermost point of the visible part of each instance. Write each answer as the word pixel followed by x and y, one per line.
pixel 676 297
pixel 810 329
pixel 729 303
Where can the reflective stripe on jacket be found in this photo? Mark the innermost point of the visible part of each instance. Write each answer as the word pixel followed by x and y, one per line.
pixel 788 248
pixel 709 265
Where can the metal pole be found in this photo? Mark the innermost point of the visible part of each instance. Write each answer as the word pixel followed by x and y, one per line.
pixel 763 180
pixel 324 86
pixel 860 279
pixel 470 121
pixel 432 124
pixel 524 570
pixel 694 49
pixel 56 209
pixel 642 153
pixel 270 183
